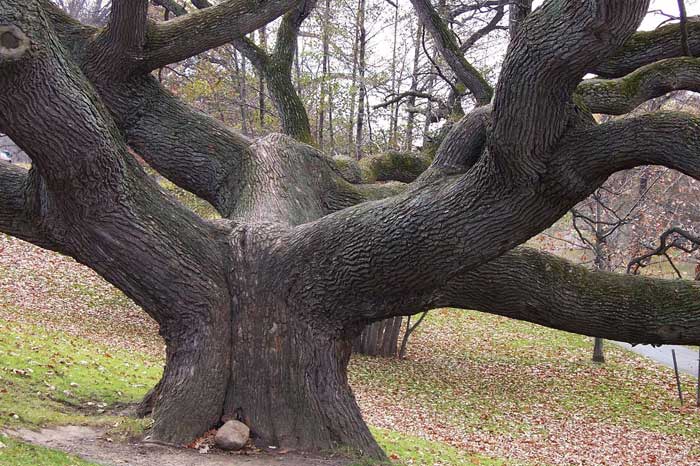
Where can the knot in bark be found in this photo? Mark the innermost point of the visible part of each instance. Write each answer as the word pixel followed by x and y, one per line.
pixel 13 42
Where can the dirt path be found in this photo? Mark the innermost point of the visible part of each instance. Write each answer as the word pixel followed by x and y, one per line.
pixel 89 444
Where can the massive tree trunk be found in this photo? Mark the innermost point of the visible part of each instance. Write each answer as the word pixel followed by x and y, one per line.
pixel 258 310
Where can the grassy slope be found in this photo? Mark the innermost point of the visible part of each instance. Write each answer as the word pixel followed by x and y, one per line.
pixel 51 378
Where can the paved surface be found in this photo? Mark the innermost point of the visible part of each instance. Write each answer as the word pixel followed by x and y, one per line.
pixel 686 357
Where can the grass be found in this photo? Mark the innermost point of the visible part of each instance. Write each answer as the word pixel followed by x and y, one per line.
pixel 411 450
pixel 50 378
pixel 473 378
pixel 14 453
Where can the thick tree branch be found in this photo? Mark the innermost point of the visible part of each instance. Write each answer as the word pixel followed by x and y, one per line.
pixel 104 211
pixel 257 56
pixel 117 50
pixel 447 45
pixel 127 24
pixel 663 138
pixel 526 284
pixel 288 32
pixel 622 95
pixel 191 149
pixel 546 60
pixel 276 68
pixel 17 217
pixel 648 47
pixel 201 30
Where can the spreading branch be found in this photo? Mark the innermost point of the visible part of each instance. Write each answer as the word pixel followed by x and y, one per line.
pixel 492 25
pixel 537 287
pixel 647 47
pixel 403 95
pixel 670 139
pixel 117 50
pixel 673 238
pixel 558 43
pixel 201 30
pixel 622 95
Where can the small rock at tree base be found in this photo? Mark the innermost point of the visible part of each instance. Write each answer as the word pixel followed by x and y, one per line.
pixel 233 435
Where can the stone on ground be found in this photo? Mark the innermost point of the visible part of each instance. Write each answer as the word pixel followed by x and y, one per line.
pixel 233 435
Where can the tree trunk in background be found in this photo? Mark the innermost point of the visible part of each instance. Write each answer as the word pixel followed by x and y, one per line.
pixel 353 88
pixel 362 65
pixel 380 338
pixel 598 355
pixel 393 109
pixel 601 264
pixel 324 74
pixel 408 143
pixel 331 130
pixel 517 12
pixel 242 90
pixel 261 81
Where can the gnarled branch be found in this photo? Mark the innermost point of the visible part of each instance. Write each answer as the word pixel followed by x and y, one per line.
pixel 201 30
pixel 546 60
pixel 18 216
pixel 648 47
pixel 622 95
pixel 530 285
pixel 117 50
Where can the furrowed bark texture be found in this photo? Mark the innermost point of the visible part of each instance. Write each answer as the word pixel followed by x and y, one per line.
pixel 259 310
pixel 91 200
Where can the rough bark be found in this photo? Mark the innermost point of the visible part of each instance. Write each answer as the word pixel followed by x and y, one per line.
pixel 622 95
pixel 199 31
pixel 647 47
pixel 258 311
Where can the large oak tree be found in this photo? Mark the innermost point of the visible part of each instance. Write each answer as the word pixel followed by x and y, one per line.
pixel 258 310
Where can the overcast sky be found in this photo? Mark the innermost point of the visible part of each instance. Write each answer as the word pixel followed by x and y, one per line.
pixel 667 6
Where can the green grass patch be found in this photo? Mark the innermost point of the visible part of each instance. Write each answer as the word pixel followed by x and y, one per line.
pixel 49 378
pixel 14 453
pixel 409 450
